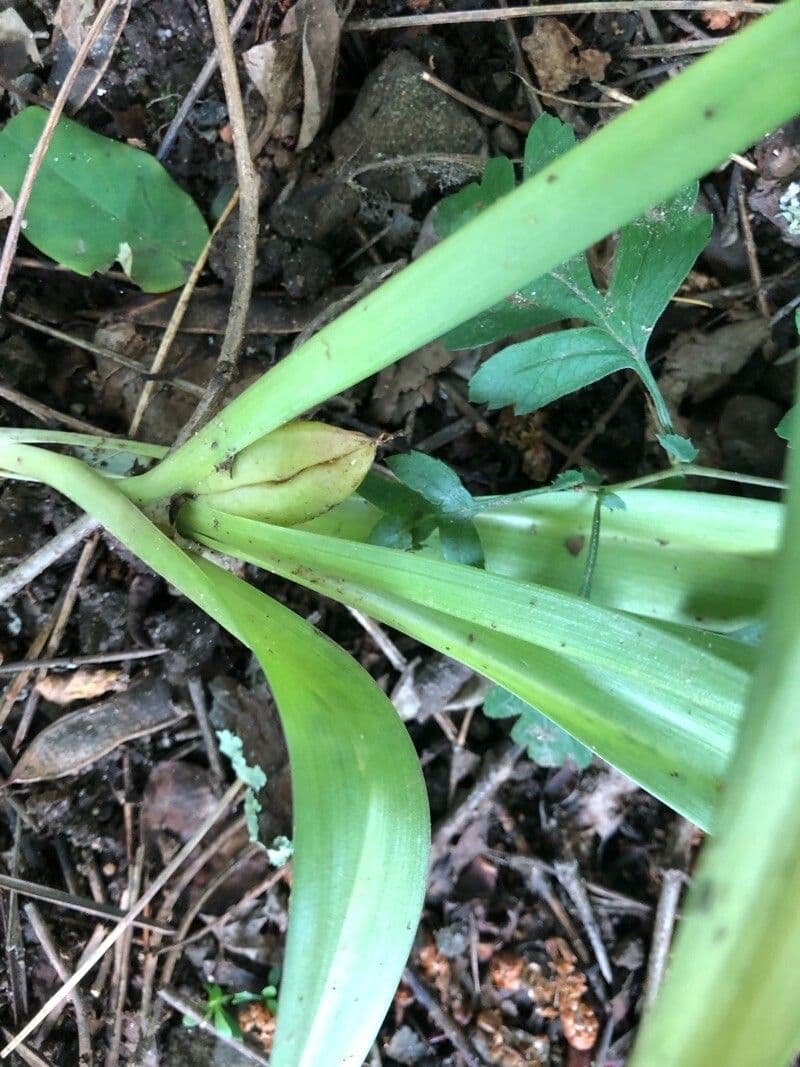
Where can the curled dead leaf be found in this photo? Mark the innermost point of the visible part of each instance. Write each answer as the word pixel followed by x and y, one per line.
pixel 720 19
pixel 558 57
pixel 81 685
pixel 78 739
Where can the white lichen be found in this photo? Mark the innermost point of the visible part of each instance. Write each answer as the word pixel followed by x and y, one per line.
pixel 789 207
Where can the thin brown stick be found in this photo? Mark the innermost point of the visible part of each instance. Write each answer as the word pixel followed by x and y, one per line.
pixel 439 1017
pixel 197 696
pixel 175 320
pixel 27 1055
pixel 752 255
pixel 569 877
pixel 536 108
pixel 248 228
pixel 59 626
pixel 496 772
pixel 24 573
pixel 45 938
pixel 676 48
pixel 450 18
pixel 81 904
pixel 122 961
pixel 111 938
pixel 199 84
pixel 45 413
pixel 523 125
pixel 104 353
pixel 73 662
pixel 42 145
pixel 11 695
pixel 664 926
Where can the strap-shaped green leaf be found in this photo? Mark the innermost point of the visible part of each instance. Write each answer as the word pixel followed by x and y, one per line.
pixel 730 996
pixel 361 818
pixel 661 707
pixel 96 201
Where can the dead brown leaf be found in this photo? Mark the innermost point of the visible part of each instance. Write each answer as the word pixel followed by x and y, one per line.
pixel 77 740
pixel 558 57
pixel 297 68
pixel 562 996
pixel 320 29
pixel 274 69
pixel 82 685
pixel 70 25
pixel 720 19
pixel 410 383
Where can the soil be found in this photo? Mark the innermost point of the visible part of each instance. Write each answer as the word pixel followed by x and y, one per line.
pixel 502 948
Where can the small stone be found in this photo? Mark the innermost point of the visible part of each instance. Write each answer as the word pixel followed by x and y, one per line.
pixel 398 114
pixel 315 212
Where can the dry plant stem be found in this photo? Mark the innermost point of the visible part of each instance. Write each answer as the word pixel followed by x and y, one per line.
pixel 439 1017
pixel 111 939
pixel 175 320
pixel 59 626
pixel 663 928
pixel 73 662
pixel 40 151
pixel 14 945
pixel 752 256
pixel 122 954
pixel 535 106
pixel 173 954
pixel 149 1023
pixel 45 939
pixel 27 1055
pixel 493 776
pixel 252 894
pixel 381 639
pixel 200 82
pixel 177 1003
pixel 38 561
pixel 198 698
pixel 449 18
pixel 570 879
pixel 483 109
pixel 44 412
pixel 677 48
pixel 248 229
pixel 11 694
pixel 104 353
pixel 82 904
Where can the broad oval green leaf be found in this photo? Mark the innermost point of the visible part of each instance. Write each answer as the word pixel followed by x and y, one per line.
pixel 97 201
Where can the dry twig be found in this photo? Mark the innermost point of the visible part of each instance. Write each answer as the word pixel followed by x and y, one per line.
pixel 248 228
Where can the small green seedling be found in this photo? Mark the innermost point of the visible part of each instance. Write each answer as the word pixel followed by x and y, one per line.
pixel 216 1009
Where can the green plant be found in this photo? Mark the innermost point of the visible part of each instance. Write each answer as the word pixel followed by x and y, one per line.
pixel 628 672
pixel 218 1002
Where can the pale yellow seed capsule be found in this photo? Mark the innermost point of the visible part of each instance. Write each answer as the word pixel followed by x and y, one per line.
pixel 291 475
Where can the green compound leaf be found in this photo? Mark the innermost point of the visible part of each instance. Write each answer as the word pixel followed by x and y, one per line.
pixel 654 255
pixel 534 373
pixel 97 201
pixel 438 499
pixel 677 447
pixel 546 744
